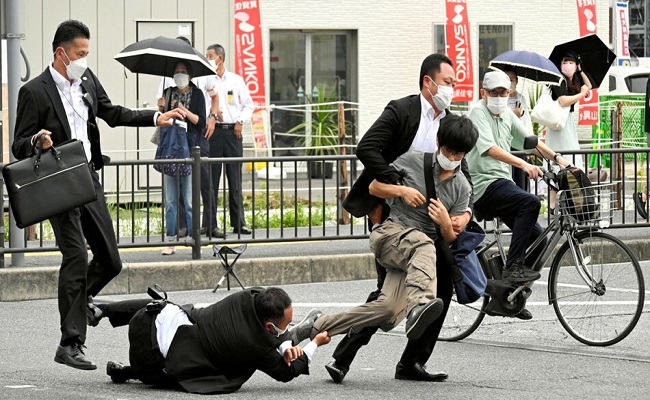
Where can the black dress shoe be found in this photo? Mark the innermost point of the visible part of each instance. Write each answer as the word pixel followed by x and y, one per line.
pixel 73 356
pixel 218 233
pixel 337 371
pixel 524 314
pixel 93 314
pixel 118 372
pixel 418 372
pixel 242 231
pixel 640 205
pixel 421 317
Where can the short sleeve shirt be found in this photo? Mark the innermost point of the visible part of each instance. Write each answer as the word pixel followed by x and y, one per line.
pixel 454 193
pixel 505 131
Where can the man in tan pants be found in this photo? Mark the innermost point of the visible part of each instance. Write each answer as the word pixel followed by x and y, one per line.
pixel 404 243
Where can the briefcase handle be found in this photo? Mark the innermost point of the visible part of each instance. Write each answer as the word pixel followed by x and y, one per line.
pixel 38 145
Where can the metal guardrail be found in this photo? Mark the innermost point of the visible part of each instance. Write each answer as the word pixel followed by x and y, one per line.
pixel 294 205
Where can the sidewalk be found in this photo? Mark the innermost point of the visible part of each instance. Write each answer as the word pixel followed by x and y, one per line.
pixel 261 265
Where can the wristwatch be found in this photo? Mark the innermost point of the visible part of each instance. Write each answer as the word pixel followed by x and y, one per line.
pixel 213 116
pixel 241 121
pixel 555 156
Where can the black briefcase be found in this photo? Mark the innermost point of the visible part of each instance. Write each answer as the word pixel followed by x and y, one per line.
pixel 49 183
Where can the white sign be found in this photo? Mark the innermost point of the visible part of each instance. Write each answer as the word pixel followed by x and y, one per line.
pixel 621 20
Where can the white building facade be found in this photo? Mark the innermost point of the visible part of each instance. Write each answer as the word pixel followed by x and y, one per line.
pixel 367 52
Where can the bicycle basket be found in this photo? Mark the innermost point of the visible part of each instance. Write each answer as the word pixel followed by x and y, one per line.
pixel 588 206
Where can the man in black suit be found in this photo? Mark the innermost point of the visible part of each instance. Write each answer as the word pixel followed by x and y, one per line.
pixel 63 103
pixel 412 121
pixel 214 349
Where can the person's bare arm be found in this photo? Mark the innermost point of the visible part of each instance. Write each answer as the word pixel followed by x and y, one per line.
pixel 411 196
pixel 439 214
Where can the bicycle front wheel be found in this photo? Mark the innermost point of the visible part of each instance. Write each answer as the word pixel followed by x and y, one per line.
pixel 597 290
pixel 463 319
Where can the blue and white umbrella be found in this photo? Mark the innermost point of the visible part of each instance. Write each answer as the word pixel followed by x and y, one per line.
pixel 529 65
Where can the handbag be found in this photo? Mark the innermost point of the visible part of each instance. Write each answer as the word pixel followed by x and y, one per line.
pixel 155 138
pixel 550 113
pixel 173 145
pixel 49 183
pixel 466 271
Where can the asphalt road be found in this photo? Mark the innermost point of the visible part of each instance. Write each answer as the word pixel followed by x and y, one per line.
pixel 504 358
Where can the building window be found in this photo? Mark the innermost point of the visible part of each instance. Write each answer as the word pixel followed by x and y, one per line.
pixel 304 64
pixel 439 39
pixel 492 41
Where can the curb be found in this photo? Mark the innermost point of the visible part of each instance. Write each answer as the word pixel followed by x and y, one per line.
pixel 32 283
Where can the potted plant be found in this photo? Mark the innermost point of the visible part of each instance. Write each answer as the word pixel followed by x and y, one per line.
pixel 320 133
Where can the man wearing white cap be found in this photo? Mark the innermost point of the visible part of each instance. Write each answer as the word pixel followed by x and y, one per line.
pixel 495 194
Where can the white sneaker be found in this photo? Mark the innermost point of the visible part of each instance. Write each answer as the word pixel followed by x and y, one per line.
pixel 169 251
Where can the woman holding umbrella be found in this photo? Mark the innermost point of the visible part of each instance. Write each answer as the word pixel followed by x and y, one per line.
pixel 190 100
pixel 574 88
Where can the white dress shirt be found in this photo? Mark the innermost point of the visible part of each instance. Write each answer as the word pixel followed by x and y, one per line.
pixel 309 349
pixel 427 135
pixel 75 109
pixel 235 101
pixel 167 323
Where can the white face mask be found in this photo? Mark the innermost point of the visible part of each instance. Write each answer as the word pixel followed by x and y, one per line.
pixel 497 105
pixel 442 99
pixel 279 332
pixel 445 163
pixel 181 80
pixel 76 68
pixel 213 63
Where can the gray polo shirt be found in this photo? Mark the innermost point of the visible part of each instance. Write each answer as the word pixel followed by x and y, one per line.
pixel 505 131
pixel 454 193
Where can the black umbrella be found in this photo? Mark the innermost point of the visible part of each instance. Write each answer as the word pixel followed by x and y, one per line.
pixel 596 56
pixel 528 64
pixel 160 55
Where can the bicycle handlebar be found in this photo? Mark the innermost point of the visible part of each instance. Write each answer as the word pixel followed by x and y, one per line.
pixel 550 178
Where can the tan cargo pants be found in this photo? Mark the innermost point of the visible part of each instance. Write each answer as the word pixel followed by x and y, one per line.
pixel 410 259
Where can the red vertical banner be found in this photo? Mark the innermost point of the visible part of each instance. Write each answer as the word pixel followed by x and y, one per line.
pixel 459 49
pixel 249 62
pixel 588 111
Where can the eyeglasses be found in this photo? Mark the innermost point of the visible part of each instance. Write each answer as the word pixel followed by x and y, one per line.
pixel 498 93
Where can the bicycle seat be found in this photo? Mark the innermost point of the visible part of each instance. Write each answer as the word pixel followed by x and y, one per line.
pixel 484 216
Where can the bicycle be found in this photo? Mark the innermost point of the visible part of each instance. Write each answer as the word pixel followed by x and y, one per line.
pixel 591 273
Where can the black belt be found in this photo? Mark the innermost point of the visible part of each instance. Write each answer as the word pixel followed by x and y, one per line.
pixel 226 127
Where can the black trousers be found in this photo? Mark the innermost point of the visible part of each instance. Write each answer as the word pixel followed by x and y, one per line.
pixel 416 351
pixel 146 361
pixel 223 143
pixel 78 278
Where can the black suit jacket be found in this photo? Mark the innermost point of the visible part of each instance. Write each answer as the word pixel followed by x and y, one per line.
pixel 388 138
pixel 40 107
pixel 225 346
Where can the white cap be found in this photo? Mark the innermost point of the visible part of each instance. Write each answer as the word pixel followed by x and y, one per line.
pixel 496 79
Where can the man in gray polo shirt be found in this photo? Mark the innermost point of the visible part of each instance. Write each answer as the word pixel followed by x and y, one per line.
pixel 404 243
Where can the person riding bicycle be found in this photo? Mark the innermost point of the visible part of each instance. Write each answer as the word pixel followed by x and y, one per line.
pixel 495 194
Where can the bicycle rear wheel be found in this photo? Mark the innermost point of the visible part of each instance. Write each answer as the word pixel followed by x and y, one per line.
pixel 603 312
pixel 463 319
